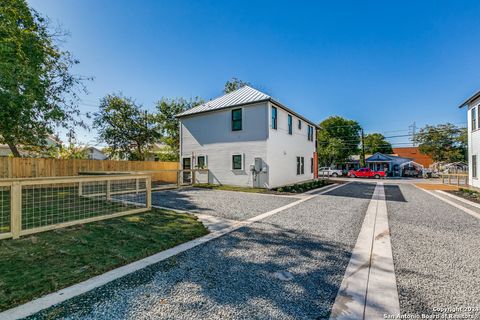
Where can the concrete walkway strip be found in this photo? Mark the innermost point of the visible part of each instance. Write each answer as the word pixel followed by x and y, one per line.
pixel 369 288
pixel 437 195
pixel 54 298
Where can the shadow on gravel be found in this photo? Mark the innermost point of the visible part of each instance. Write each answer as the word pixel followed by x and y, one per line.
pixel 236 276
pixel 354 190
pixel 177 199
pixel 393 193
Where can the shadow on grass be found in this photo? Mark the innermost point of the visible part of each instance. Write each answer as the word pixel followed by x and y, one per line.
pixel 235 275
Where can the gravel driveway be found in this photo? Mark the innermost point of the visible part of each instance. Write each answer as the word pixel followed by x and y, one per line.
pixel 288 266
pixel 224 204
pixel 435 250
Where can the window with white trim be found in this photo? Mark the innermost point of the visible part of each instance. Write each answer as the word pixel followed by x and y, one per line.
pixel 300 165
pixel 290 124
pixel 474 118
pixel 237 162
pixel 201 162
pixel 274 118
pixel 236 119
pixel 474 166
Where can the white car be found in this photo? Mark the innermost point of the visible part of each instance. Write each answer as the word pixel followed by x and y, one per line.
pixel 327 171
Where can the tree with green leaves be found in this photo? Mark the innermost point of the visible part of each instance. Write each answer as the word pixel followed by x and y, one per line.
pixel 38 92
pixel 443 142
pixel 128 130
pixel 376 142
pixel 167 109
pixel 234 84
pixel 338 138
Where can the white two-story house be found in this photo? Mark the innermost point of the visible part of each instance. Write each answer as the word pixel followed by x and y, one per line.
pixel 473 116
pixel 246 138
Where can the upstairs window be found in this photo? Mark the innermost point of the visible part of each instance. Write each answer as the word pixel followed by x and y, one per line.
pixel 310 133
pixel 474 119
pixel 299 124
pixel 274 118
pixel 290 131
pixel 236 119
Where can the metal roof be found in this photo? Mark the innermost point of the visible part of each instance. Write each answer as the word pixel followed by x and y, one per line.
pixel 242 96
pixel 466 102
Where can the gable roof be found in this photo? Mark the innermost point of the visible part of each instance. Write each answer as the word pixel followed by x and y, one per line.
pixel 243 96
pixel 466 102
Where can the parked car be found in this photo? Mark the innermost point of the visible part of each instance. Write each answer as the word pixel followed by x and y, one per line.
pixel 366 173
pixel 327 171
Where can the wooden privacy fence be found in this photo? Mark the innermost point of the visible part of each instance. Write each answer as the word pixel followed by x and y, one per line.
pixel 459 179
pixel 34 205
pixel 46 167
pixel 166 179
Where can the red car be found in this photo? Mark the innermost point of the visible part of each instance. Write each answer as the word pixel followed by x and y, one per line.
pixel 366 173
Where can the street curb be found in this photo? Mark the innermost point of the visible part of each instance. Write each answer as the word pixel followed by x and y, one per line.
pixel 456 205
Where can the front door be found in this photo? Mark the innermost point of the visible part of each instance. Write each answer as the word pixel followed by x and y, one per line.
pixel 187 175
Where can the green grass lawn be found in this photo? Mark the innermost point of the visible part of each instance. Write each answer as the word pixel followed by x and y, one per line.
pixel 45 262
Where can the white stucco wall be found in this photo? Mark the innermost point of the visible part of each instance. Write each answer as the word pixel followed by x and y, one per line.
pixel 283 149
pixel 210 134
pixel 473 144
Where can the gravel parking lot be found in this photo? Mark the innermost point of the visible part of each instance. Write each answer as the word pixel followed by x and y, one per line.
pixel 224 204
pixel 435 251
pixel 288 266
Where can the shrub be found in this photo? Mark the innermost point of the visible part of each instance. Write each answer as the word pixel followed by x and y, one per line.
pixel 302 187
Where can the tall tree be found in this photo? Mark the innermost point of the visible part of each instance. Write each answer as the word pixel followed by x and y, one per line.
pixel 37 90
pixel 376 142
pixel 128 130
pixel 443 142
pixel 167 109
pixel 338 138
pixel 234 84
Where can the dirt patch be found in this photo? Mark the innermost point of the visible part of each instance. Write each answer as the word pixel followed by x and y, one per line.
pixel 431 186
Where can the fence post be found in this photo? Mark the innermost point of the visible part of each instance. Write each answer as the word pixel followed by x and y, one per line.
pixel 80 189
pixel 107 193
pixel 16 209
pixel 148 183
pixel 458 180
pixel 449 179
pixel 178 178
pixel 137 185
pixel 193 176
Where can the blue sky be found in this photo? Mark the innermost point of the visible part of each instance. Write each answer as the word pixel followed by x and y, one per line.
pixel 385 64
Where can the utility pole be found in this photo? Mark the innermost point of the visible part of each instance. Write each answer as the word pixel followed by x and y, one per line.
pixel 363 150
pixel 413 132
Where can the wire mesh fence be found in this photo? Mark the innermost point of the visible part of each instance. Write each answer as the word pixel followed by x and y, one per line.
pixel 166 179
pixel 4 209
pixel 33 205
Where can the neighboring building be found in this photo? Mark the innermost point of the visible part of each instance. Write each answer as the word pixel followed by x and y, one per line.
pixel 246 138
pixel 473 106
pixel 394 165
pixel 6 152
pixel 414 154
pixel 95 154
